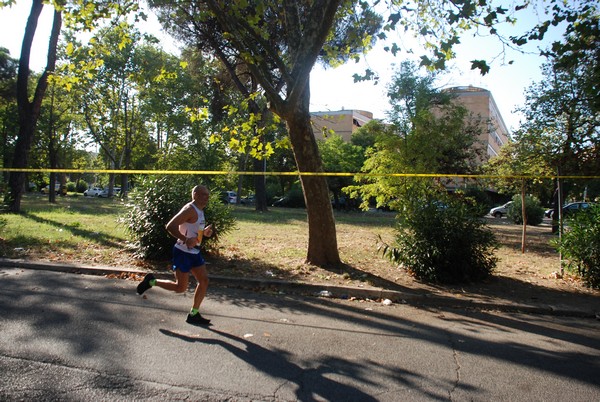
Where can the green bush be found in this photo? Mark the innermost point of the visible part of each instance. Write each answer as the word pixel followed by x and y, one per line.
pixel 71 186
pixel 154 201
pixel 441 240
pixel 479 199
pixel 580 245
pixel 533 210
pixel 81 186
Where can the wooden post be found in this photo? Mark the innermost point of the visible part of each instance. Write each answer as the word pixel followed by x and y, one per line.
pixel 560 220
pixel 524 235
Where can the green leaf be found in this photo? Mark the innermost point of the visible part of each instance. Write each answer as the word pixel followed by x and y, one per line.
pixel 480 65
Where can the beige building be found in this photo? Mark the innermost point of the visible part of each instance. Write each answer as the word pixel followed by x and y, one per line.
pixel 478 101
pixel 342 122
pixel 481 103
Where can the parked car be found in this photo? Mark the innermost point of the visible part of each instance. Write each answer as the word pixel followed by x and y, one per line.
pixel 228 197
pixel 93 192
pixel 570 209
pixel 289 201
pixel 248 200
pixel 500 211
pixel 58 189
pixel 104 193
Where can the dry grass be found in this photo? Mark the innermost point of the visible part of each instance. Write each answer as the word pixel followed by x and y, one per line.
pixel 277 248
pixel 540 257
pixel 268 249
pixel 273 246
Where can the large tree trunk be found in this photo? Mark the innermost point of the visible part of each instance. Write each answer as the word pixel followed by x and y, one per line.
pixel 52 150
pixel 260 188
pixel 30 111
pixel 322 240
pixel 284 63
pixel 16 180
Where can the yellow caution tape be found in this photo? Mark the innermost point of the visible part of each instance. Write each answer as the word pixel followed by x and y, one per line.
pixel 296 173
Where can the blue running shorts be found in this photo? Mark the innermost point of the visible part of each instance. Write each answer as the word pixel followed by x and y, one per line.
pixel 186 261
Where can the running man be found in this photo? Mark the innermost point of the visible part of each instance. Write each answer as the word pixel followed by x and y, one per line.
pixel 188 227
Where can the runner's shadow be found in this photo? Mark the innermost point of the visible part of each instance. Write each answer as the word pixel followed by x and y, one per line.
pixel 312 383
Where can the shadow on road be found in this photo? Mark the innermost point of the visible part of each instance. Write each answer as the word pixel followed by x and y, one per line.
pixel 276 364
pixel 80 315
pixel 577 366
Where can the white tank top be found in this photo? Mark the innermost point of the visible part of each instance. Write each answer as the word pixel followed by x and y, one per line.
pixel 191 230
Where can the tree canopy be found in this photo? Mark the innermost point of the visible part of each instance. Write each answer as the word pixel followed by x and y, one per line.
pixel 429 134
pixel 269 48
pixel 561 128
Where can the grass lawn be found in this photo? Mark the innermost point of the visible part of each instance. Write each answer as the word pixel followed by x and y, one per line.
pixel 80 229
pixel 75 228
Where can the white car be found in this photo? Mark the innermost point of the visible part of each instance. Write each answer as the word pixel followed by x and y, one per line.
pixel 93 192
pixel 229 197
pixel 500 211
pixel 104 193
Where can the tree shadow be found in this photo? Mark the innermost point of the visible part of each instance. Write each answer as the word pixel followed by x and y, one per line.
pixel 267 273
pixel 76 203
pixel 507 291
pixel 576 365
pixel 310 384
pixel 495 291
pixel 84 318
pixel 101 238
pixel 67 313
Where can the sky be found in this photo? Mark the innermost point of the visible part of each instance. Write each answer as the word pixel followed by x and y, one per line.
pixel 334 89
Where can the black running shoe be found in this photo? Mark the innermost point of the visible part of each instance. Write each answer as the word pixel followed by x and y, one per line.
pixel 145 284
pixel 197 319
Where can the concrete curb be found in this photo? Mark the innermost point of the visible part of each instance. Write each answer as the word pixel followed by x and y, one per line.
pixel 321 290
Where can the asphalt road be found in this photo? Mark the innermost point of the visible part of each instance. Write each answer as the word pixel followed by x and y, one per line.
pixel 74 337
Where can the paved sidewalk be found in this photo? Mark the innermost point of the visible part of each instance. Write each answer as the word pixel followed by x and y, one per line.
pixel 574 305
pixel 69 337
